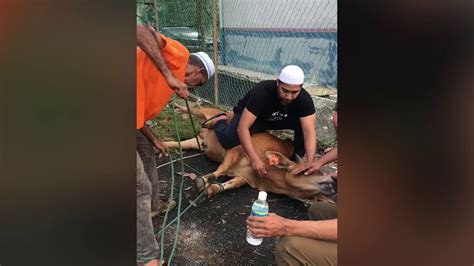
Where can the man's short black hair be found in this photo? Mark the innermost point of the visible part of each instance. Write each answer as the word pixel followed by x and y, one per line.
pixel 196 61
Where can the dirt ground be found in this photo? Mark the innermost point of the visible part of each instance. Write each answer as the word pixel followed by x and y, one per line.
pixel 214 232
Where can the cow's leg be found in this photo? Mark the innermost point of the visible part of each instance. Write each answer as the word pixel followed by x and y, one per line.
pixel 232 157
pixel 235 182
pixel 194 111
pixel 190 144
pixel 202 114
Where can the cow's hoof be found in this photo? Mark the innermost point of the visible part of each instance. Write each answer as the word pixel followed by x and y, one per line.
pixel 214 188
pixel 200 184
pixel 209 178
pixel 202 198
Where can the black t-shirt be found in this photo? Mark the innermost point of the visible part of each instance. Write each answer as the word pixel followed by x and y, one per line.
pixel 263 102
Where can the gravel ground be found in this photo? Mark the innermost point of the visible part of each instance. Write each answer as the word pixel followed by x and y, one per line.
pixel 214 232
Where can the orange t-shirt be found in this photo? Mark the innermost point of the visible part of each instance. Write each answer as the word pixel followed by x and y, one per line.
pixel 153 92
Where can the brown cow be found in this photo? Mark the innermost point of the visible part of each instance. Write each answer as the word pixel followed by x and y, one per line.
pixel 235 163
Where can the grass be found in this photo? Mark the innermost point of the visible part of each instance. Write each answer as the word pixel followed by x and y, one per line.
pixel 164 126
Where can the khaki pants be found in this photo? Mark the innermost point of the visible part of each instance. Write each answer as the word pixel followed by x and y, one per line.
pixel 148 199
pixel 296 250
pixel 147 247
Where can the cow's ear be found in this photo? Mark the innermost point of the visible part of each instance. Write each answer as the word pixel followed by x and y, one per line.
pixel 279 160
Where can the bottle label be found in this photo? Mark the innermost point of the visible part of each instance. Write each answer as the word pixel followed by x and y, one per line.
pixel 259 212
pixel 256 213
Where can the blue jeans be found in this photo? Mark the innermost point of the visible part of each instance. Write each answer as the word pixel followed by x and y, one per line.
pixel 228 137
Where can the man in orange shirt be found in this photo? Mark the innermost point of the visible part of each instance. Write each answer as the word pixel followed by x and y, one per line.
pixel 164 67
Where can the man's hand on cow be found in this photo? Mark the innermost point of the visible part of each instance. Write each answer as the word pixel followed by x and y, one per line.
pixel 307 168
pixel 266 226
pixel 259 167
pixel 160 146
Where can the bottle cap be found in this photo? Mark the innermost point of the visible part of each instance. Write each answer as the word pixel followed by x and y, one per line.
pixel 262 195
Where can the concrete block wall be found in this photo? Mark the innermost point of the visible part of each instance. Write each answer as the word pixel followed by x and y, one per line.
pixel 325 131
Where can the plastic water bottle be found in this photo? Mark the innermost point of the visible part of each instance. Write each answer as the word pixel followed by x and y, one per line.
pixel 259 208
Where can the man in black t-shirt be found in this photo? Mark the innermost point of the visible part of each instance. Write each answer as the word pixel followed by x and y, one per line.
pixel 272 104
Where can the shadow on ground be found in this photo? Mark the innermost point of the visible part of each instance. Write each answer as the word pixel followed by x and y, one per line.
pixel 214 232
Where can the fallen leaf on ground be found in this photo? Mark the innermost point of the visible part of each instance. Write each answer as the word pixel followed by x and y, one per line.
pixel 193 176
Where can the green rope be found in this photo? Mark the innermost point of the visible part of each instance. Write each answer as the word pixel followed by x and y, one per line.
pixel 192 168
pixel 195 132
pixel 162 251
pixel 181 182
pixel 192 124
pixel 221 187
pixel 184 211
pixel 163 227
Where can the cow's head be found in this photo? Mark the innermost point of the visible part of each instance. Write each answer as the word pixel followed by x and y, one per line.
pixel 281 161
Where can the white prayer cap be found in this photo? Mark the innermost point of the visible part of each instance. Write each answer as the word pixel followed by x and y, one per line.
pixel 292 75
pixel 207 63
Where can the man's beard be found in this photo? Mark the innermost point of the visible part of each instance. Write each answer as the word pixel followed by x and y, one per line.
pixel 285 102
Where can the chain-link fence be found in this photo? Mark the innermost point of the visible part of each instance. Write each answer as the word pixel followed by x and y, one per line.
pixel 255 40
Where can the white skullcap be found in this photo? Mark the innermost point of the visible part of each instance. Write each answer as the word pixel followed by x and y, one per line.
pixel 292 75
pixel 207 61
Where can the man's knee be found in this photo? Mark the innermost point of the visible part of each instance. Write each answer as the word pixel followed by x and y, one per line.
pixel 143 183
pixel 295 250
pixel 284 248
pixel 289 250
pixel 146 243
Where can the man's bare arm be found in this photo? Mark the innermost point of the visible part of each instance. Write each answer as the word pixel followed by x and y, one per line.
pixel 275 225
pixel 151 43
pixel 308 126
pixel 243 130
pixel 153 139
pixel 331 156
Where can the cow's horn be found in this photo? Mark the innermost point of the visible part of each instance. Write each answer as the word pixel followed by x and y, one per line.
pixel 298 158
